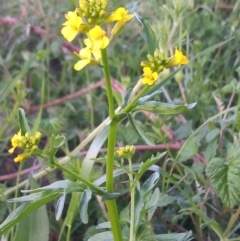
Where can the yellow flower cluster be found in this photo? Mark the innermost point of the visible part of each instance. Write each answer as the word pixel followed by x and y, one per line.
pixel 26 142
pixel 157 63
pixel 88 19
pixel 126 151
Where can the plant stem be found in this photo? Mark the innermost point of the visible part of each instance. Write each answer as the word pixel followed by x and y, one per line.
pixel 88 183
pixel 232 222
pixel 136 98
pixel 132 224
pixel 112 134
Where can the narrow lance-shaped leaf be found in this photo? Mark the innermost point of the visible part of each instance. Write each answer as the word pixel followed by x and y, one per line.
pixel 23 125
pixel 60 206
pixel 127 98
pixel 86 196
pixel 147 140
pixel 163 108
pixel 148 97
pixel 147 34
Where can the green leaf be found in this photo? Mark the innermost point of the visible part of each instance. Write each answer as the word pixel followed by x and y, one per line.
pixel 25 209
pixel 147 34
pixel 86 196
pixel 34 227
pixel 147 97
pixel 138 207
pixel 163 108
pixel 103 225
pixel 58 141
pixel 147 140
pixel 170 237
pixel 23 125
pixel 127 98
pixel 104 236
pixel 149 184
pixel 60 206
pixel 225 179
pixel 60 186
pixel 211 151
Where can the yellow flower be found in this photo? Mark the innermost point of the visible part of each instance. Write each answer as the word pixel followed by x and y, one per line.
pixel 126 151
pixel 178 58
pixel 72 26
pixel 85 56
pixel 121 16
pixel 96 39
pixel 149 76
pixel 22 157
pixel 26 142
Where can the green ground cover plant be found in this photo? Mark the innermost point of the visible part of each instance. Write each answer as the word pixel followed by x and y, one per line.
pixel 120 120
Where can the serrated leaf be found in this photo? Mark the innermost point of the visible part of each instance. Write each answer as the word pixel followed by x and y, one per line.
pixel 147 140
pixel 104 236
pixel 23 125
pixel 60 206
pixel 86 197
pixel 163 108
pixel 225 179
pixel 24 210
pixel 147 34
pixel 148 97
pixel 149 184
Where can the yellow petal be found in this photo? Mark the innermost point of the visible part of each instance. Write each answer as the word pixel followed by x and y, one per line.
pixel 88 43
pixel 97 54
pixel 155 75
pixel 69 33
pixel 22 157
pixel 105 42
pixel 147 70
pixel 96 32
pixel 11 150
pixel 81 64
pixel 85 53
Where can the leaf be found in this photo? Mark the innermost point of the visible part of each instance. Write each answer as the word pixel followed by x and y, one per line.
pixel 104 236
pixel 138 207
pixel 147 140
pixel 190 150
pixel 34 227
pixel 211 151
pixel 58 141
pixel 60 206
pixel 103 225
pixel 60 186
pixel 212 134
pixel 170 237
pixel 23 125
pixel 163 108
pixel 225 179
pixel 127 98
pixel 25 209
pixel 147 97
pixel 147 34
pixel 86 196
pixel 149 184
pixel 165 200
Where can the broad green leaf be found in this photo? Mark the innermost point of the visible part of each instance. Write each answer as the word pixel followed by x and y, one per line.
pixel 165 200
pixel 147 140
pixel 127 98
pixel 149 184
pixel 104 236
pixel 147 34
pixel 34 227
pixel 58 141
pixel 103 225
pixel 23 125
pixel 60 206
pixel 212 134
pixel 86 196
pixel 211 151
pixel 225 179
pixel 163 108
pixel 148 97
pixel 190 150
pixel 24 210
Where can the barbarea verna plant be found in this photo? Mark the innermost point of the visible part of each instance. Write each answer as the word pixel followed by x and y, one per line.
pixel 90 20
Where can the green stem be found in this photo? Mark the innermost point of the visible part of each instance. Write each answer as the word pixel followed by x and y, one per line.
pixel 132 225
pixel 136 98
pixel 112 134
pixel 88 183
pixel 232 222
